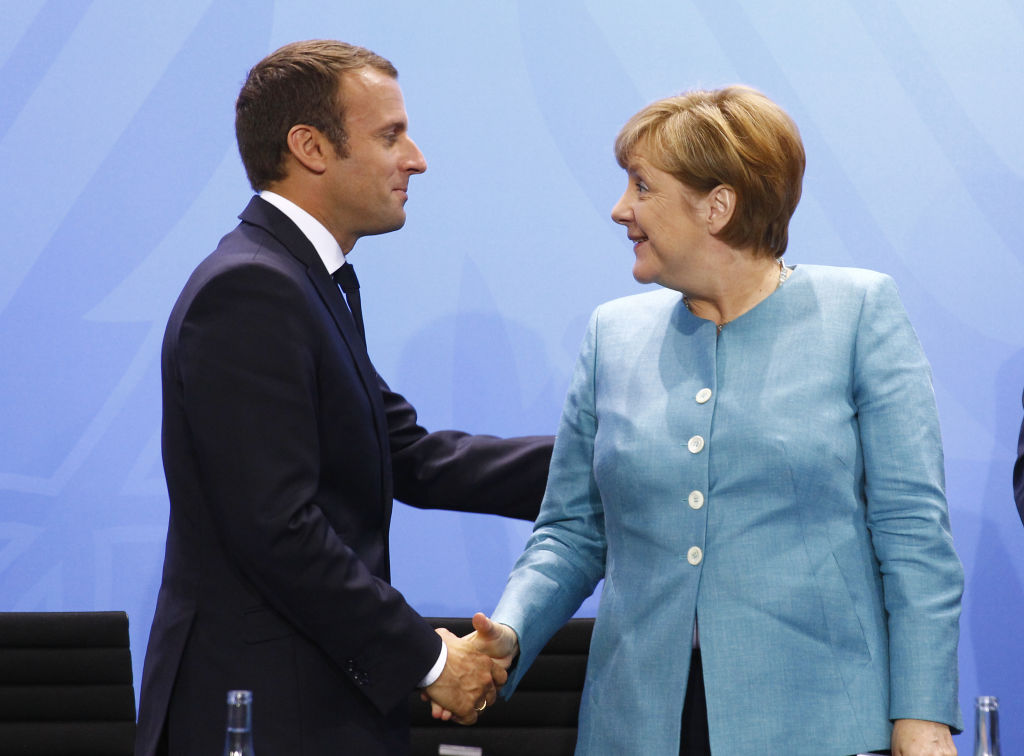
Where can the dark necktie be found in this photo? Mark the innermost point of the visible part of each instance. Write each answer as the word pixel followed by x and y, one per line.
pixel 345 277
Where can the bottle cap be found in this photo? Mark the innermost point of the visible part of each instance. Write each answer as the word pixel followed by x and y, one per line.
pixel 239 697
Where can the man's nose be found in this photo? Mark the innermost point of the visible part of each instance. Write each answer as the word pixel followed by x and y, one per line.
pixel 416 162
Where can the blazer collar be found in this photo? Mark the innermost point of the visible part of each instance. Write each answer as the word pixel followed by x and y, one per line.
pixel 261 213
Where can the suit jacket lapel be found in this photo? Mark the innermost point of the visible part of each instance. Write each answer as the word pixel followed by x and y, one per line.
pixel 261 213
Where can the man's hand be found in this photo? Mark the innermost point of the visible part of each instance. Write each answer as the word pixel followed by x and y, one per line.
pixel 918 737
pixel 497 641
pixel 468 683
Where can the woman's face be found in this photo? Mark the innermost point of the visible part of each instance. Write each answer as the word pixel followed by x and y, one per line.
pixel 665 220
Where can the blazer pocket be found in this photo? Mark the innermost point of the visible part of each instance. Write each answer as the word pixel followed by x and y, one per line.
pixel 262 623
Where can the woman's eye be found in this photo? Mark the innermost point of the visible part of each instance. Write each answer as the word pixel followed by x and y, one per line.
pixel 641 186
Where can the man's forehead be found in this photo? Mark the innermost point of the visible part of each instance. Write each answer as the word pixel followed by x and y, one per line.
pixel 371 90
pixel 366 76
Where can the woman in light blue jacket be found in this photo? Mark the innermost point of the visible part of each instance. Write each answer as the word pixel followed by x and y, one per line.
pixel 750 457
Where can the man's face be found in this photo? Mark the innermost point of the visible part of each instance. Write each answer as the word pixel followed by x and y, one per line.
pixel 370 186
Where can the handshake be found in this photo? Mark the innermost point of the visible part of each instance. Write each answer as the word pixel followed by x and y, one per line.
pixel 477 666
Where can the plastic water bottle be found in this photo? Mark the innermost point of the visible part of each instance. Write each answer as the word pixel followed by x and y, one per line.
pixel 986 731
pixel 238 738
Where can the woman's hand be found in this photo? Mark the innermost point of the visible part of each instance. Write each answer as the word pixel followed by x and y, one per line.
pixel 919 737
pixel 498 641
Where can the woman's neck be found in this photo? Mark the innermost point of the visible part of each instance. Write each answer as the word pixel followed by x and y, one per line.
pixel 744 282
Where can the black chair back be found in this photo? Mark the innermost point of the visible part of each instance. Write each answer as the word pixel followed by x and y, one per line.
pixel 66 684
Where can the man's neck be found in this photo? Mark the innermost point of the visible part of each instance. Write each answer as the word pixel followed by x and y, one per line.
pixel 326 246
pixel 309 200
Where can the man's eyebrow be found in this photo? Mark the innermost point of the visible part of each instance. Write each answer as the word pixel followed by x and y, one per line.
pixel 397 126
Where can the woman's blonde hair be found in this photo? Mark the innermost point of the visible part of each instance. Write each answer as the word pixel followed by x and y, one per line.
pixel 734 136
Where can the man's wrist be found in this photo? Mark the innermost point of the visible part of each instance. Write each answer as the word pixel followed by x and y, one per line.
pixel 435 672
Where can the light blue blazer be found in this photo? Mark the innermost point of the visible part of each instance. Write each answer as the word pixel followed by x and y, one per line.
pixel 782 482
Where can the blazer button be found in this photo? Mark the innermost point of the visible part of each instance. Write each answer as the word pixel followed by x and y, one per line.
pixel 703 395
pixel 695 500
pixel 694 555
pixel 695 444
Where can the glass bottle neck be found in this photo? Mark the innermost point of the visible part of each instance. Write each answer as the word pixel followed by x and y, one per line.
pixel 238 735
pixel 986 734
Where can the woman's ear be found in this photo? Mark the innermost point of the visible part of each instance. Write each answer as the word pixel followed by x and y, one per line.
pixel 721 204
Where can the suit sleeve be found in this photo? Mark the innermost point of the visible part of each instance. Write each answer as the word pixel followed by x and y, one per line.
pixel 464 472
pixel 247 359
pixel 906 510
pixel 565 557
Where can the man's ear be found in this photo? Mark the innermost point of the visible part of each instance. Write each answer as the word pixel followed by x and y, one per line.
pixel 721 207
pixel 309 147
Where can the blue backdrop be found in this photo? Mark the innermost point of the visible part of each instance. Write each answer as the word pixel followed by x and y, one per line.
pixel 116 140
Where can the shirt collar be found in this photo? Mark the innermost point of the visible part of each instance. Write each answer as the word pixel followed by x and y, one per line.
pixel 323 241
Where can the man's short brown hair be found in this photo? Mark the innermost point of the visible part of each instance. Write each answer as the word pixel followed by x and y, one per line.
pixel 297 84
pixel 733 136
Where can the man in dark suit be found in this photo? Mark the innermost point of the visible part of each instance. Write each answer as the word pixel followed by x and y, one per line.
pixel 283 448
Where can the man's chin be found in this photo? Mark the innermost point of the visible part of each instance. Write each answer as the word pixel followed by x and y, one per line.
pixel 386 228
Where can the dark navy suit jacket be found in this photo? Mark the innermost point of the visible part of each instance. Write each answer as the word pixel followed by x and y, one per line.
pixel 283 450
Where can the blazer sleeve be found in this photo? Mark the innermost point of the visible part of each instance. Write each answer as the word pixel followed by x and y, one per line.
pixel 247 355
pixel 565 556
pixel 464 472
pixel 906 509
